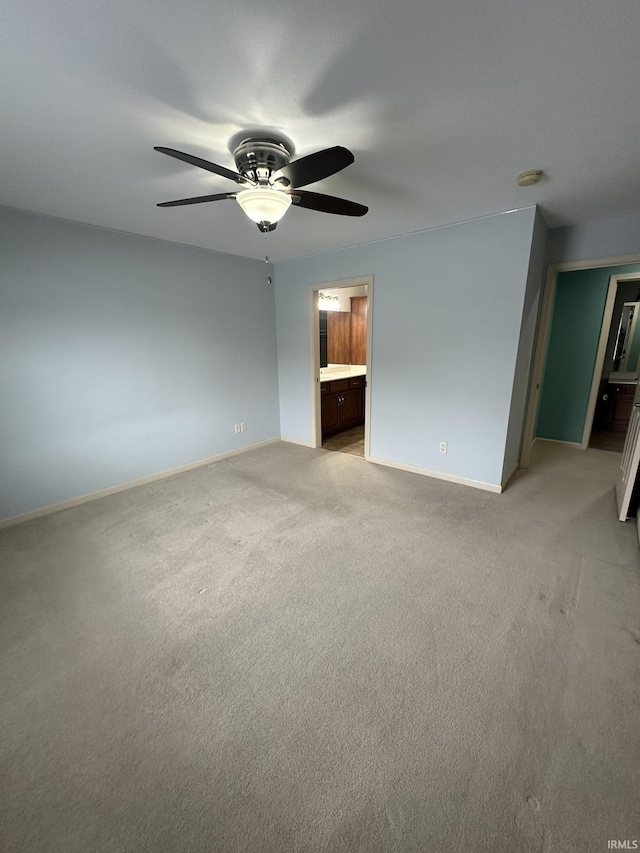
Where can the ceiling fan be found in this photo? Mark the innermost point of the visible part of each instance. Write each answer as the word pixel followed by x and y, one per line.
pixel 269 181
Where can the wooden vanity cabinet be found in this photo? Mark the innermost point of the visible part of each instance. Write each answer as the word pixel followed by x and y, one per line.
pixel 330 410
pixel 342 404
pixel 621 405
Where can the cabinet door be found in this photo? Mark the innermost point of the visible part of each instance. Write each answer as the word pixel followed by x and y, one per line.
pixel 352 408
pixel 330 413
pixel 360 382
pixel 621 407
pixel 358 330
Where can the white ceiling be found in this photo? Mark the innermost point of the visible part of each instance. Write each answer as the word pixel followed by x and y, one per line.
pixel 443 103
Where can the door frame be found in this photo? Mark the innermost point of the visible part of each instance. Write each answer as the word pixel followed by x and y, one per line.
pixel 605 331
pixel 544 335
pixel 314 339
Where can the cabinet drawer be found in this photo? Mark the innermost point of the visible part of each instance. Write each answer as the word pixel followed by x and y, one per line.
pixel 356 382
pixel 325 388
pixel 339 385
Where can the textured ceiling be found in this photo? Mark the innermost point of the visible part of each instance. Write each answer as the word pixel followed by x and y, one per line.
pixel 443 104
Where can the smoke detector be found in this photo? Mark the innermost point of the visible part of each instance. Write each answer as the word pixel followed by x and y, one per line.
pixel 528 179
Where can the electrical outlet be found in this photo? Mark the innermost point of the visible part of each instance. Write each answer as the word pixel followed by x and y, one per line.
pixel 443 447
pixel 243 426
pixel 237 428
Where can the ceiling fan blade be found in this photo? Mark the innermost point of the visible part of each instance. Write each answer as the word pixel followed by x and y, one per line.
pixel 204 164
pixel 197 200
pixel 327 203
pixel 315 167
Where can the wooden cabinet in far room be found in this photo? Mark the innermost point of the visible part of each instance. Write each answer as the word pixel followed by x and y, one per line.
pixel 339 337
pixel 621 405
pixel 347 334
pixel 358 330
pixel 342 404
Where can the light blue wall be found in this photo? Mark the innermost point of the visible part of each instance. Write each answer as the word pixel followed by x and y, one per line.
pixel 121 357
pixel 604 238
pixel 447 312
pixel 535 280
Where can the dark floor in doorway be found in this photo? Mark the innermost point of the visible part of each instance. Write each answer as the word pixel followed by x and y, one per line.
pixel 607 439
pixel 350 441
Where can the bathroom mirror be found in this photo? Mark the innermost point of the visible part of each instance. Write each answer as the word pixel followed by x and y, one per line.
pixel 627 348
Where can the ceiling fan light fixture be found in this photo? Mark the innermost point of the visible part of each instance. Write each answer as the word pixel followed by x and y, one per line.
pixel 263 204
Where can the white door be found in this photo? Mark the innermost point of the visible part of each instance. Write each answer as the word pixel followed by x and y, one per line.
pixel 630 461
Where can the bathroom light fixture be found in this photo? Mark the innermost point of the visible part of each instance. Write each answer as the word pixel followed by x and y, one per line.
pixel 328 302
pixel 263 204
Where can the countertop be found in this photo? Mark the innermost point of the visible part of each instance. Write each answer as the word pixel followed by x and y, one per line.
pixel 623 378
pixel 342 371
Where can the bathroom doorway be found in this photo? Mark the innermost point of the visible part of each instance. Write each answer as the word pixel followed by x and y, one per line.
pixel 575 428
pixel 341 324
pixel 615 375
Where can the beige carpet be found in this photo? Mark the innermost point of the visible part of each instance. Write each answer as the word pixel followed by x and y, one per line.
pixel 293 650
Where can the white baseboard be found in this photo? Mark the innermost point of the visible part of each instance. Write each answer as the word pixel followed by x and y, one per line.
pixel 438 475
pixel 576 444
pixel 123 487
pixel 299 441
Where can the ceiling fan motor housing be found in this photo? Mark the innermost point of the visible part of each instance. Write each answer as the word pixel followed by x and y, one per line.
pixel 258 159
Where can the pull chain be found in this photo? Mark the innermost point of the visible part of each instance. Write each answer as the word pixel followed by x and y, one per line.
pixel 266 259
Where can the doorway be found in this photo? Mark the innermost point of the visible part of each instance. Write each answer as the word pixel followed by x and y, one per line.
pixel 615 374
pixel 605 344
pixel 341 334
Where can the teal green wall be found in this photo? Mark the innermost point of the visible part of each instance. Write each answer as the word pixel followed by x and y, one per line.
pixel 573 344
